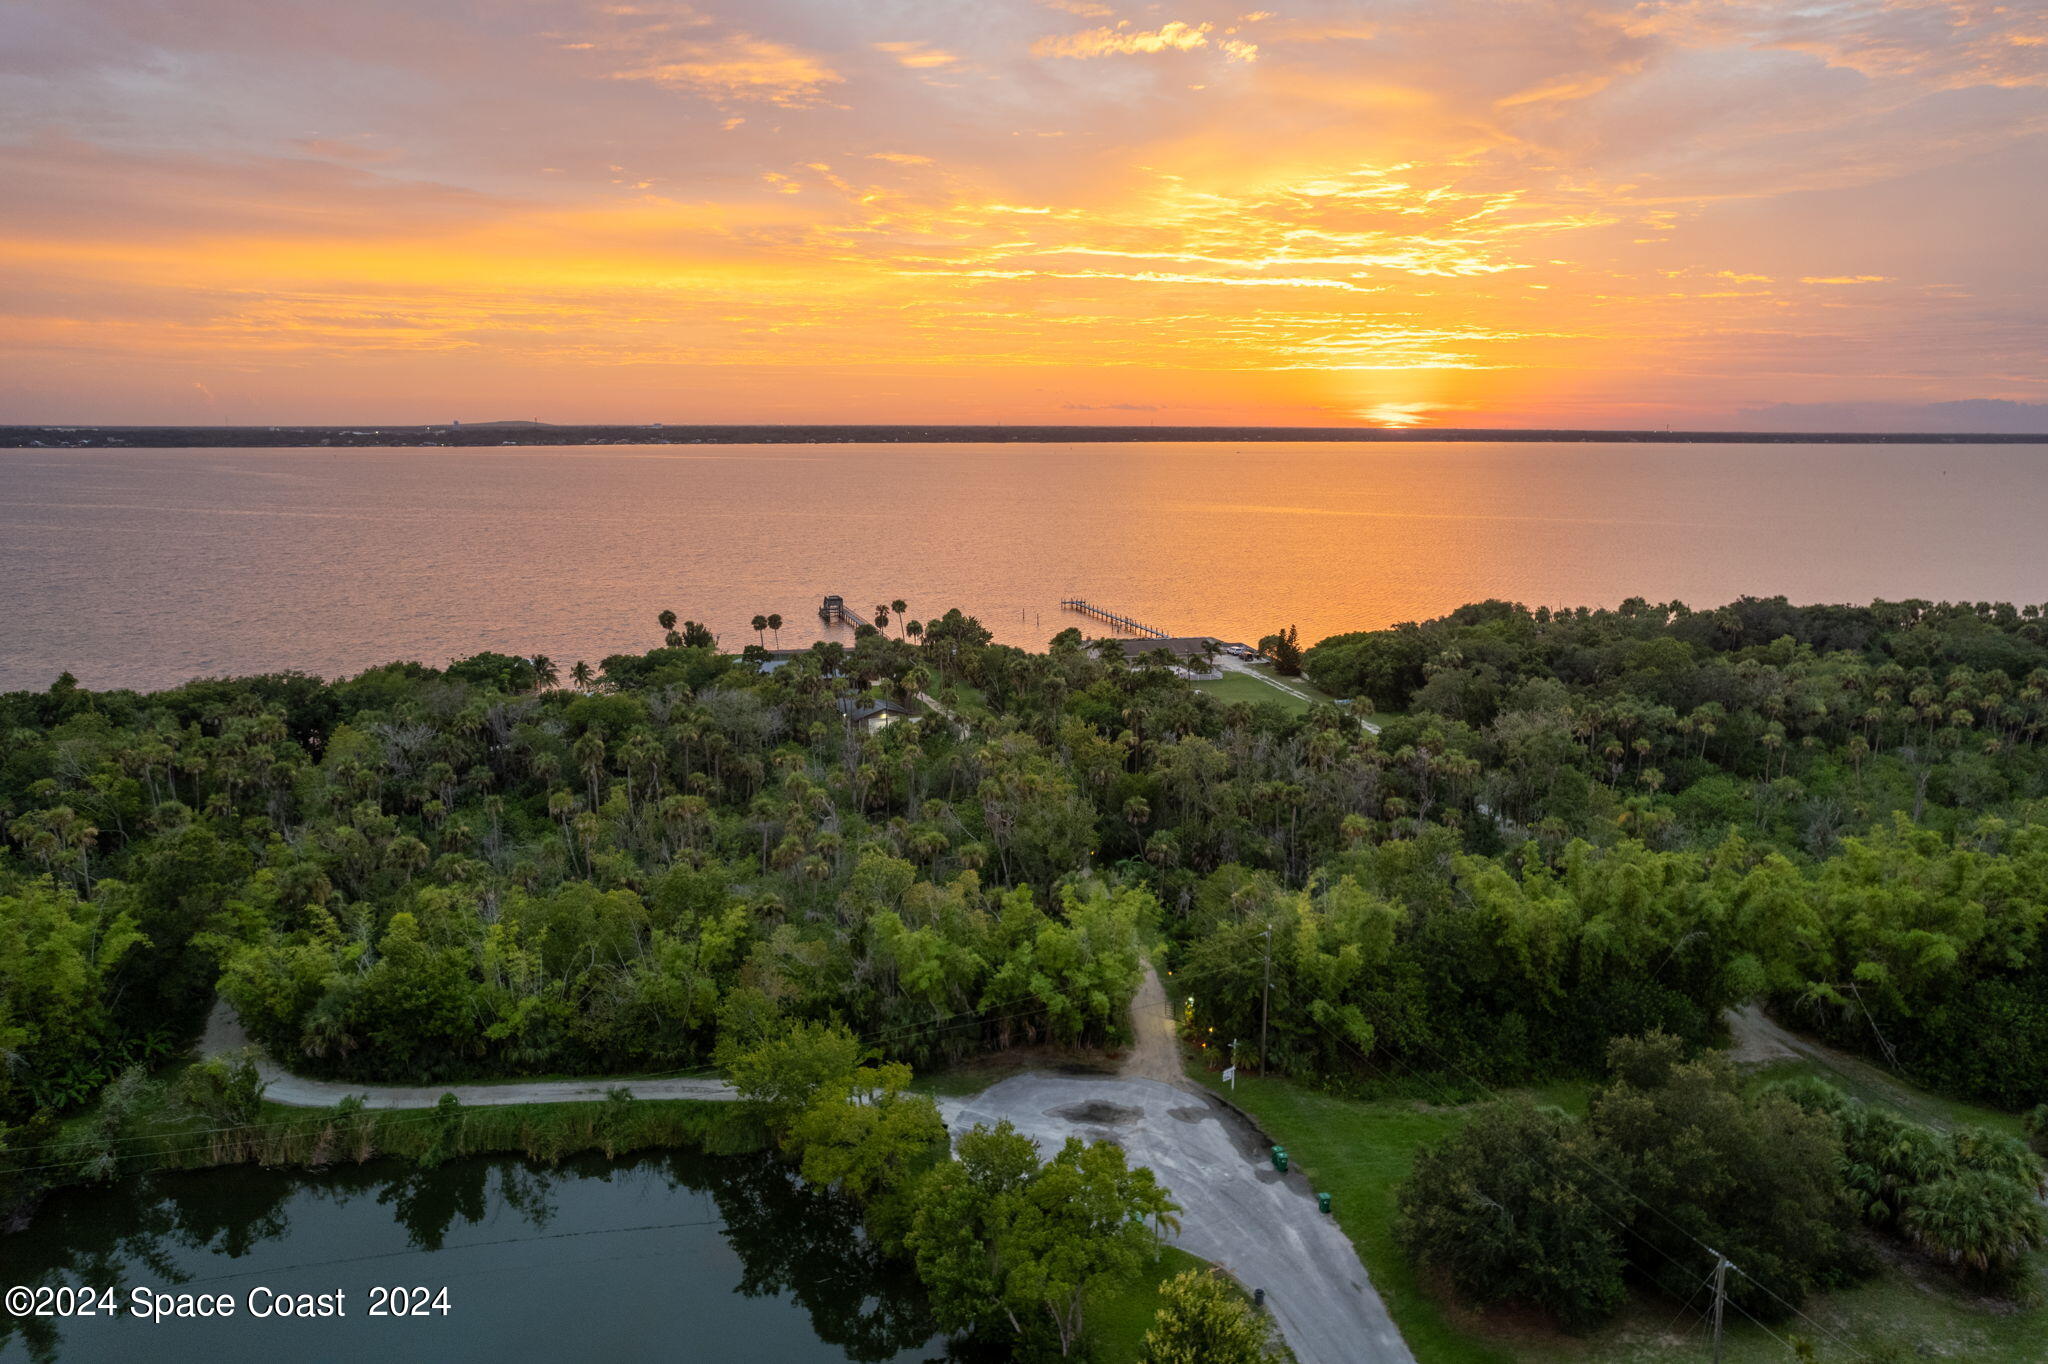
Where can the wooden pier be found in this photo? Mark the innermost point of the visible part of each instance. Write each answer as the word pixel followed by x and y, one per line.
pixel 1124 623
pixel 835 611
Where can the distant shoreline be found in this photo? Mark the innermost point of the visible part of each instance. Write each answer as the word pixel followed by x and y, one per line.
pixel 495 434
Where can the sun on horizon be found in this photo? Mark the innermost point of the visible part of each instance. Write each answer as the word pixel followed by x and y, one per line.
pixel 1713 215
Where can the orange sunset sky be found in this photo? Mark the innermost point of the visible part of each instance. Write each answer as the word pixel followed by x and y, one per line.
pixel 1712 213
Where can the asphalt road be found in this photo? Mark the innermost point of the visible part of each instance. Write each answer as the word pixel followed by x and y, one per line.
pixel 1236 1210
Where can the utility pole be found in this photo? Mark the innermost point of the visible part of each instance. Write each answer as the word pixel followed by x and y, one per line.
pixel 1265 999
pixel 1721 1268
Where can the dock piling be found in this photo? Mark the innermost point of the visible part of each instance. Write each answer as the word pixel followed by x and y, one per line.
pixel 835 611
pixel 1121 622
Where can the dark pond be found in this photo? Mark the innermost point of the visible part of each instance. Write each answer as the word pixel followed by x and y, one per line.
pixel 670 1256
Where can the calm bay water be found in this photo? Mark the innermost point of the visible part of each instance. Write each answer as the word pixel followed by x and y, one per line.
pixel 677 1256
pixel 147 567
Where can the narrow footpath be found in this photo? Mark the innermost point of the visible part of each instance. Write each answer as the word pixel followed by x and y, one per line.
pixel 1758 1040
pixel 224 1035
pixel 1155 1046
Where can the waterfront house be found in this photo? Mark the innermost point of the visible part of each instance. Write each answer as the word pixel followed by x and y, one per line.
pixel 872 714
pixel 1191 655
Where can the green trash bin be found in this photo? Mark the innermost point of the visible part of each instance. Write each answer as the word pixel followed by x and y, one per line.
pixel 1323 1202
pixel 1280 1159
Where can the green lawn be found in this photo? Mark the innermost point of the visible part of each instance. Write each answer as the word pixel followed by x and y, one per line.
pixel 1360 1151
pixel 1117 1322
pixel 967 700
pixel 1238 687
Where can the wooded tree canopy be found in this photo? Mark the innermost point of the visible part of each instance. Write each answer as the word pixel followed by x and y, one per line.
pixel 1569 826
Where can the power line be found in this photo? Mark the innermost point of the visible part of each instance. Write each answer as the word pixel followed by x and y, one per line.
pixel 1588 1163
pixel 1686 1306
pixel 1720 1299
pixel 1626 1192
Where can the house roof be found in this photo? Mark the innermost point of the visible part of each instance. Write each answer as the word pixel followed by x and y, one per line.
pixel 771 659
pixel 861 708
pixel 1186 646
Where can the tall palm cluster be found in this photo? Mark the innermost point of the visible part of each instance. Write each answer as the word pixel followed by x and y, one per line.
pixel 1969 1197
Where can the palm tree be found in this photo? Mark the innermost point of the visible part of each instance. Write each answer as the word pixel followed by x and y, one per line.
pixel 588 750
pixel 545 673
pixel 899 608
pixel 1977 1220
pixel 667 620
pixel 775 628
pixel 760 624
pixel 881 617
pixel 912 628
pixel 581 675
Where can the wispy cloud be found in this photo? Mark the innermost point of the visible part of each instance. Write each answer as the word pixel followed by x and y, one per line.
pixel 1949 44
pixel 679 48
pixel 918 56
pixel 343 149
pixel 1398 414
pixel 1123 40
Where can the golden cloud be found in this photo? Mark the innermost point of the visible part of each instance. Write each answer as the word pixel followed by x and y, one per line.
pixel 678 48
pixel 1123 40
pixel 738 67
pixel 917 55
